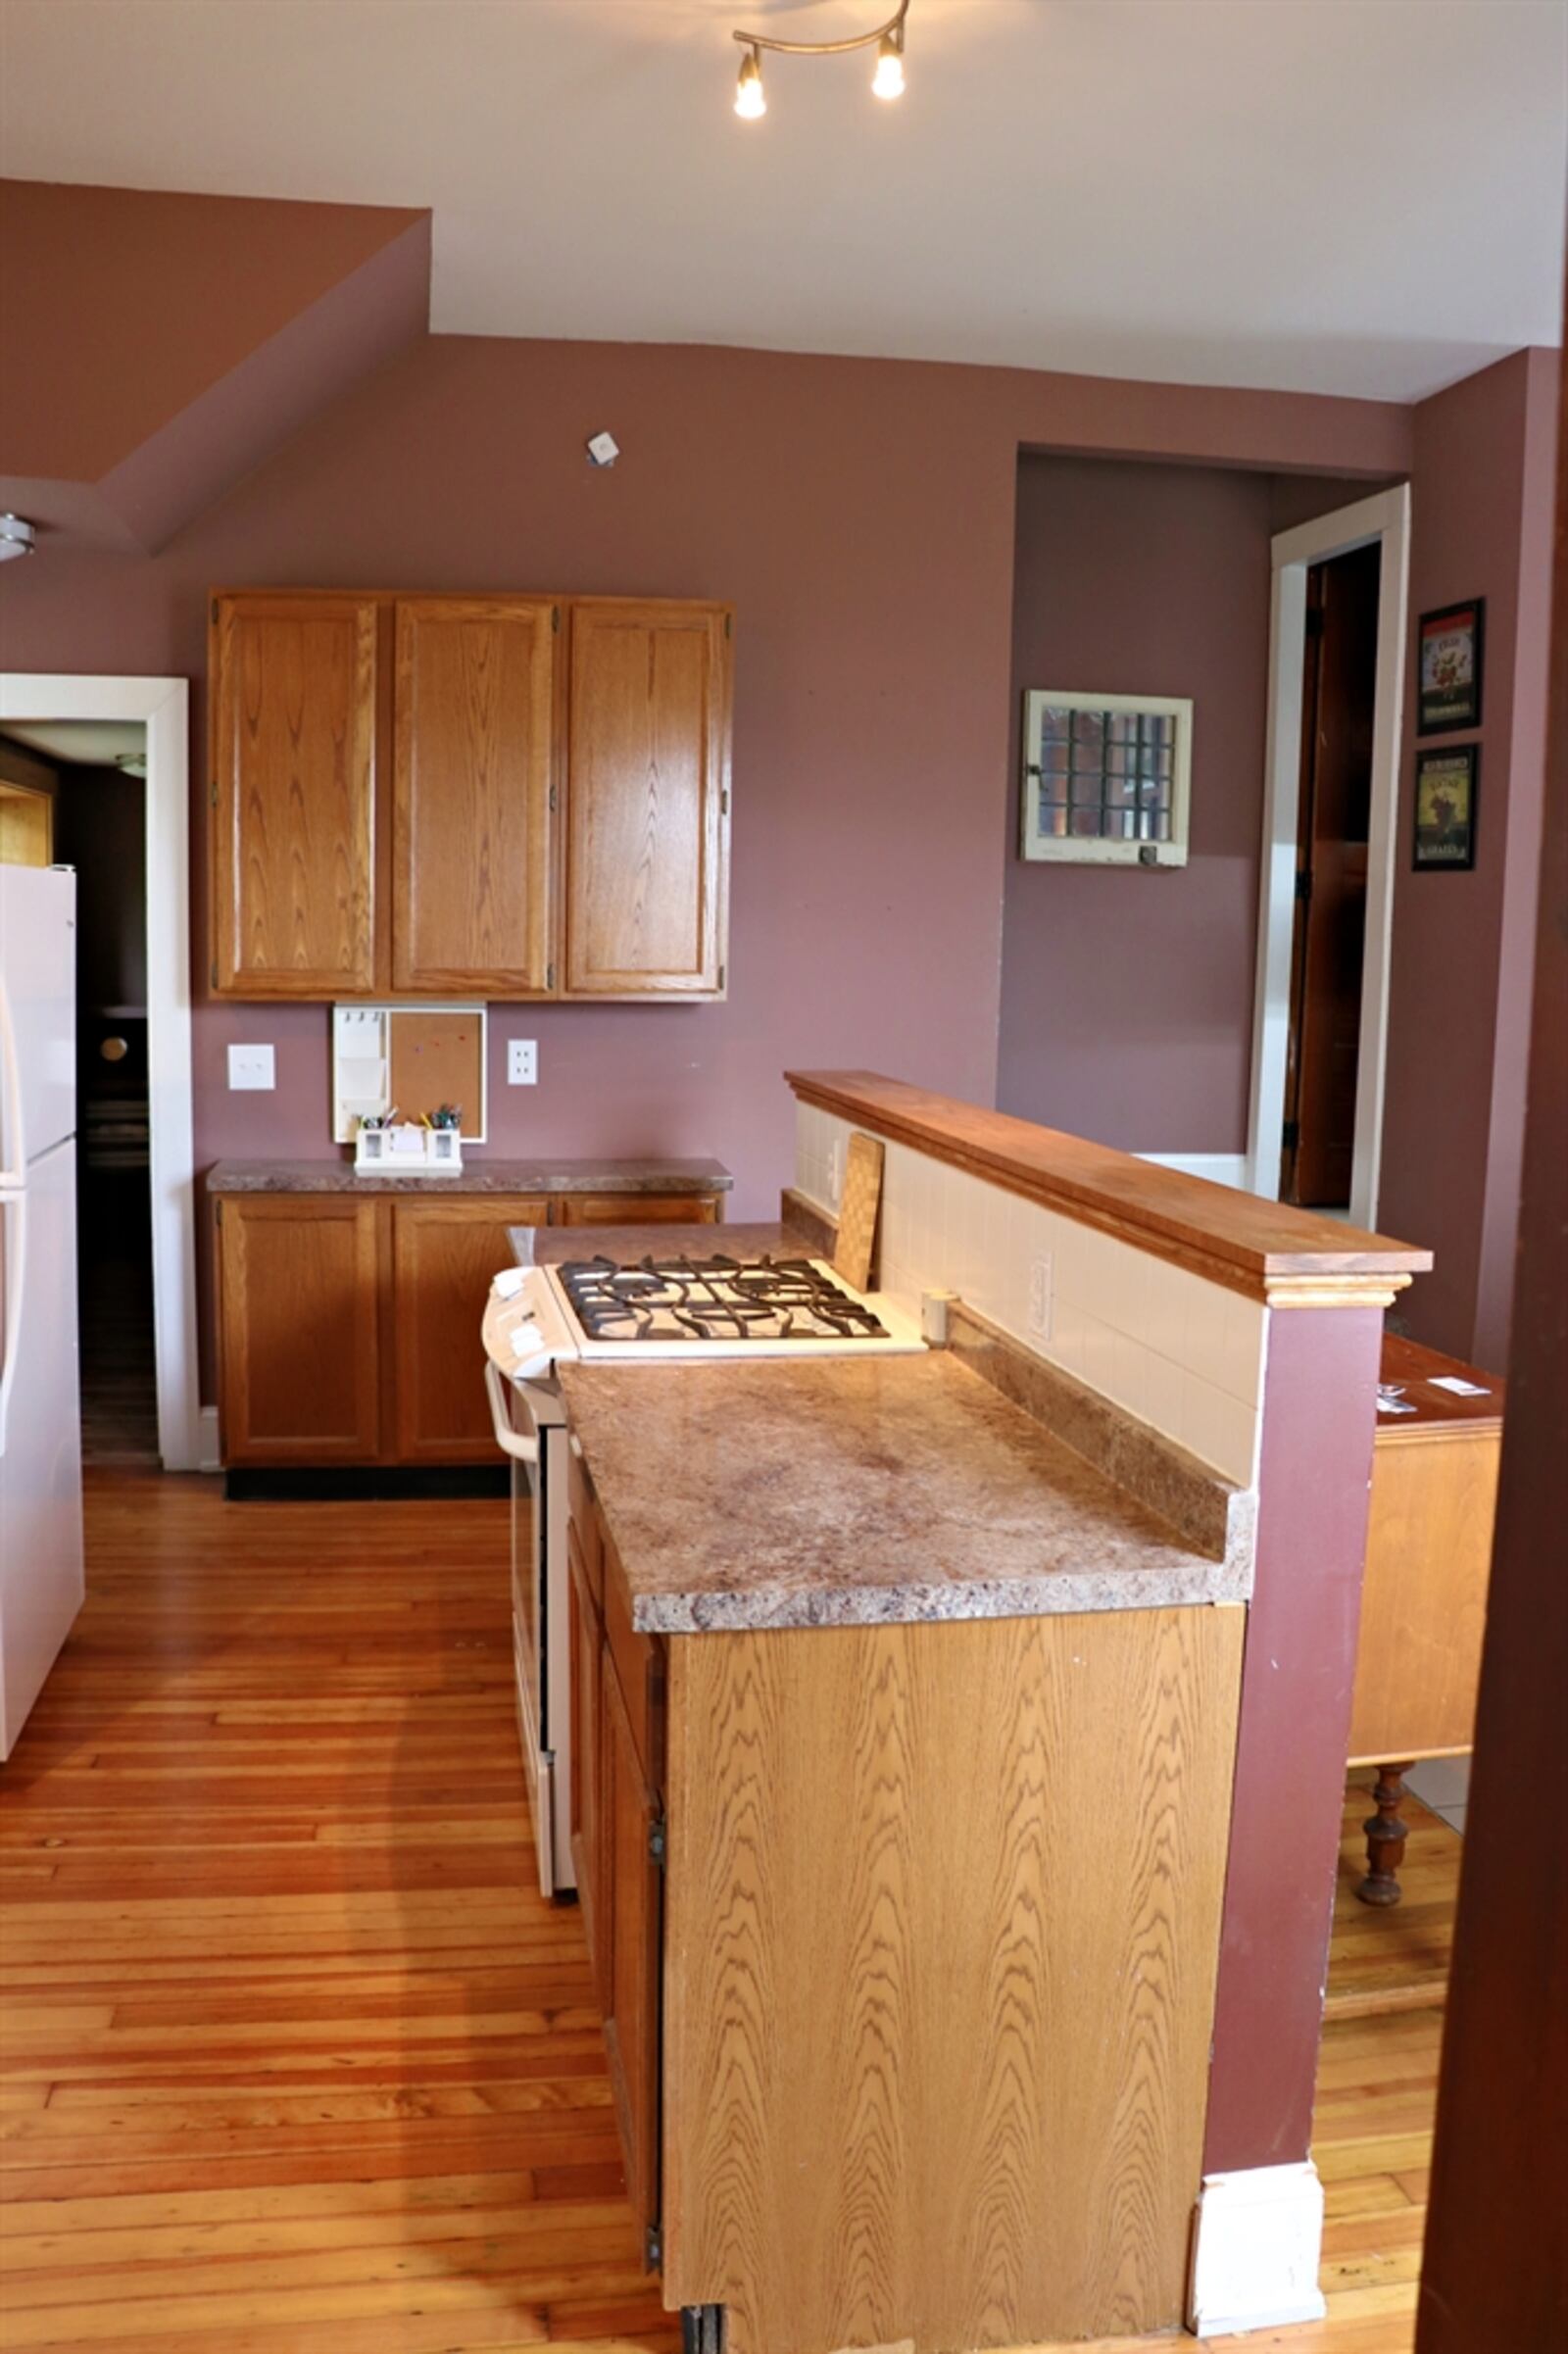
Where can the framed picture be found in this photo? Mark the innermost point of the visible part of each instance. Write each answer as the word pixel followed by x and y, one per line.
pixel 1451 656
pixel 1445 785
pixel 1106 778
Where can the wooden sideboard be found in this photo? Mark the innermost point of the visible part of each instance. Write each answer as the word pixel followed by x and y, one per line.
pixel 1424 1594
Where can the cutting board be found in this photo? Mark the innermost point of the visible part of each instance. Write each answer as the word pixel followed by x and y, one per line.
pixel 858 1207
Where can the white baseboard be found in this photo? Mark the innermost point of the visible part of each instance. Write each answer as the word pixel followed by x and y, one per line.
pixel 208 1457
pixel 1255 2250
pixel 1220 1168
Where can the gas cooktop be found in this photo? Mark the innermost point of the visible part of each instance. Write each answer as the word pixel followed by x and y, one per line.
pixel 717 1300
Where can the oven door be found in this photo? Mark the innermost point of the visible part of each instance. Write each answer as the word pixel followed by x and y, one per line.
pixel 529 1428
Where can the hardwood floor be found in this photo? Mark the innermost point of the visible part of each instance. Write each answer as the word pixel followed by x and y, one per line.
pixel 297 2060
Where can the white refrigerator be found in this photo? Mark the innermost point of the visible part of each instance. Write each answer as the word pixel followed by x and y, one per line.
pixel 41 1576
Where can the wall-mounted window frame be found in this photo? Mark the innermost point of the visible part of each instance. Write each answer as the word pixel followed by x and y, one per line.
pixel 1137 788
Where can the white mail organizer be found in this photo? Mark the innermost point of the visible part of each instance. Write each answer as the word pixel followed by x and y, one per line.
pixel 404 1061
pixel 408 1150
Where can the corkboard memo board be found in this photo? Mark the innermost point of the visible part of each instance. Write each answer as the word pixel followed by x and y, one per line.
pixel 411 1057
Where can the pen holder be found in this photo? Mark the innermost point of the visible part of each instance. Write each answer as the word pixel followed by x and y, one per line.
pixel 409 1151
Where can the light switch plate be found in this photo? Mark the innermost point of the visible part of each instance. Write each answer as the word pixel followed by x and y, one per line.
pixel 522 1062
pixel 252 1067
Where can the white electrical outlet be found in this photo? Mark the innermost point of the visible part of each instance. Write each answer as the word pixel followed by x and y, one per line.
pixel 522 1062
pixel 1040 1299
pixel 252 1067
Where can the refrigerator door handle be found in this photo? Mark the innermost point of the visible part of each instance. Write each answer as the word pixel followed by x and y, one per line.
pixel 12 1139
pixel 16 1283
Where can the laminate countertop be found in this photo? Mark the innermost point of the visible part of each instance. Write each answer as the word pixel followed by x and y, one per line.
pixel 851 1492
pixel 479 1175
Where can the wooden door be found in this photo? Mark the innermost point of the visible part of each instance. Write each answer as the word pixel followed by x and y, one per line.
pixel 639 1209
pixel 300 1294
pixel 475 737
pixel 445 1254
pixel 647 805
pixel 293 682
pixel 630 1812
pixel 1336 799
pixel 588 1673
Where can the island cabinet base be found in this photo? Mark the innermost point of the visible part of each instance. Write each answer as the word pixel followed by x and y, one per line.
pixel 942 1924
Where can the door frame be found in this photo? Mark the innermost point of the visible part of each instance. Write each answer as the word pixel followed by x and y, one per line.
pixel 1384 518
pixel 162 706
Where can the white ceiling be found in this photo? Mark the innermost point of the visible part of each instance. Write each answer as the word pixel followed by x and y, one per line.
pixel 1355 196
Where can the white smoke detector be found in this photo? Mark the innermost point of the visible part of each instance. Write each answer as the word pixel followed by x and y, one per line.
pixel 603 450
pixel 17 538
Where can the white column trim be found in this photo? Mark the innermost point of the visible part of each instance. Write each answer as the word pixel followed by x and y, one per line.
pixel 1257 2247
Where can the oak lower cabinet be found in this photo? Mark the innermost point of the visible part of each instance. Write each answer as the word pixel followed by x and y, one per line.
pixel 444 1255
pixel 893 2056
pixel 502 796
pixel 300 1278
pixel 639 1209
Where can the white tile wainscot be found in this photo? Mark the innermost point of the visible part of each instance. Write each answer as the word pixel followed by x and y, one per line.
pixel 1183 1355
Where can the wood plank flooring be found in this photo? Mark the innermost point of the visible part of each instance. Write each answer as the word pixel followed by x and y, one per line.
pixel 296 2058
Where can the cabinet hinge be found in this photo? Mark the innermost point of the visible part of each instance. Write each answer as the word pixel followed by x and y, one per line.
pixel 723 803
pixel 728 623
pixel 555 617
pixel 1291 1136
pixel 657 1841
pixel 214 792
pixel 653 2247
pixel 550 976
pixel 722 970
pixel 551 797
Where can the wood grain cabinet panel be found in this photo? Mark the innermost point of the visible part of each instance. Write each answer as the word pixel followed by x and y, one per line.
pixel 648 784
pixel 473 753
pixel 444 1257
pixel 588 1671
pixel 294 749
pixel 634 1893
pixel 299 1286
pixel 639 1209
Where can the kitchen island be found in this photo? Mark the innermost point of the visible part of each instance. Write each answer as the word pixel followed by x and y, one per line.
pixel 901 1769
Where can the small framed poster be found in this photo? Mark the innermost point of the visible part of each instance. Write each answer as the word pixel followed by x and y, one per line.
pixel 1451 656
pixel 1445 785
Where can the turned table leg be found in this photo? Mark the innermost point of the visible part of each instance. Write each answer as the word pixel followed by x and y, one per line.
pixel 1386 1836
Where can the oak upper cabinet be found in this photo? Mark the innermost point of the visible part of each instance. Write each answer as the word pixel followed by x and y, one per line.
pixel 444 1255
pixel 475 736
pixel 647 799
pixel 294 686
pixel 299 1300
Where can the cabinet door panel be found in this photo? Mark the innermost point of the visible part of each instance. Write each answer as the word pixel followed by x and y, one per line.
pixel 636 1890
pixel 444 1255
pixel 471 831
pixel 300 1281
pixel 587 1749
pixel 638 1209
pixel 294 699
pixel 648 763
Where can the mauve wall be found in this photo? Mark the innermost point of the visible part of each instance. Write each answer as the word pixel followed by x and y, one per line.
pixel 860 516
pixel 1458 1015
pixel 1126 993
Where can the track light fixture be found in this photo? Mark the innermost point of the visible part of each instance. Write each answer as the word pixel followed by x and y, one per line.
pixel 751 100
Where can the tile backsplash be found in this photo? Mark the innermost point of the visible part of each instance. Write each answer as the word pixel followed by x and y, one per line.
pixel 1183 1355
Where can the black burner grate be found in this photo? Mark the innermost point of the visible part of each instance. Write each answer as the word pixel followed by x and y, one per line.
pixel 715 1298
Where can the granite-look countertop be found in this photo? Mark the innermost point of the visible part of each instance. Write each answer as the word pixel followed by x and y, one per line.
pixel 480 1174
pixel 845 1492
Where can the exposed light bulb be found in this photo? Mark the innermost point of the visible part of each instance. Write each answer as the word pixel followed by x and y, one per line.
pixel 888 80
pixel 751 100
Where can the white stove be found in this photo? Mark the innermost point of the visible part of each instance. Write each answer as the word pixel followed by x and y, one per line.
pixel 655 1311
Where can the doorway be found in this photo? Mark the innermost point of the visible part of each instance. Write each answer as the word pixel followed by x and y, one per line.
pixel 1338 692
pixel 151 1064
pixel 1342 977
pixel 89 778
